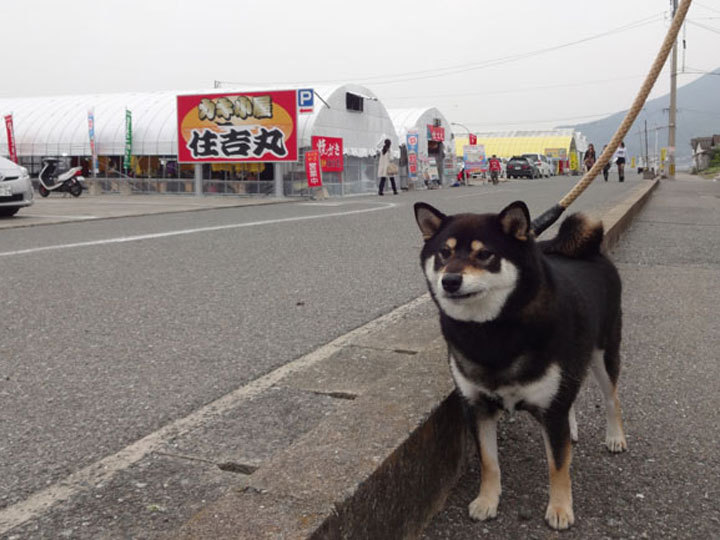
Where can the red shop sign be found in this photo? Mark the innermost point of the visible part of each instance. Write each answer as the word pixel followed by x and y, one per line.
pixel 435 133
pixel 331 153
pixel 238 127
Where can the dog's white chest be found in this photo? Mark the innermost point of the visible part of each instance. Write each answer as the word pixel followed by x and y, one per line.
pixel 538 393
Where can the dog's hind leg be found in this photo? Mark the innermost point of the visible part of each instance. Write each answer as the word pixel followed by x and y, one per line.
pixel 606 368
pixel 483 425
pixel 556 434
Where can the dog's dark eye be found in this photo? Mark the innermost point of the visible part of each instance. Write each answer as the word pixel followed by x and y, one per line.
pixel 445 253
pixel 484 255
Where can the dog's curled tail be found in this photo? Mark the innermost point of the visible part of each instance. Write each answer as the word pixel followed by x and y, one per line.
pixel 579 237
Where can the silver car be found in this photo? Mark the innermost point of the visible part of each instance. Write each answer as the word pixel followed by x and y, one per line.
pixel 16 190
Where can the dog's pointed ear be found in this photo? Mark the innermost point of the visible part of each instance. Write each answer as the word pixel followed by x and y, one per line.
pixel 515 220
pixel 429 219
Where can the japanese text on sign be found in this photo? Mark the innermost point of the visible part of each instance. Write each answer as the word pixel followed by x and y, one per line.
pixel 435 133
pixel 236 143
pixel 412 152
pixel 312 168
pixel 331 152
pixel 248 127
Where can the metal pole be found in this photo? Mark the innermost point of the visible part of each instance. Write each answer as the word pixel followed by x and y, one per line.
pixel 198 179
pixel 656 157
pixel 647 152
pixel 464 168
pixel 673 106
pixel 278 170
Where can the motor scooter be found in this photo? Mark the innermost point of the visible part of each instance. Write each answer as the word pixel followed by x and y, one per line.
pixel 53 180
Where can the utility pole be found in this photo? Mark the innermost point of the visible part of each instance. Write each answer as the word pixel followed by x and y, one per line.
pixel 673 105
pixel 647 154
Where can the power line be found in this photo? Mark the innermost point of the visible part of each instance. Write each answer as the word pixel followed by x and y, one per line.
pixel 706 27
pixel 549 121
pixel 461 68
pixel 695 71
pixel 685 109
pixel 707 7
pixel 523 56
pixel 516 90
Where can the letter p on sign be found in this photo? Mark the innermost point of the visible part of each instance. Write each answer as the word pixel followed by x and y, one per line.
pixel 306 100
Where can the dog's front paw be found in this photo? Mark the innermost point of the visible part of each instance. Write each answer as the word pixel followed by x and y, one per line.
pixel 559 517
pixel 483 508
pixel 616 443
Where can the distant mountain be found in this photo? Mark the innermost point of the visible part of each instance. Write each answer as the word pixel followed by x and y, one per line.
pixel 698 115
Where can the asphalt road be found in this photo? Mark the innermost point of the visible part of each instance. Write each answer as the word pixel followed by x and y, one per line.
pixel 112 329
pixel 668 484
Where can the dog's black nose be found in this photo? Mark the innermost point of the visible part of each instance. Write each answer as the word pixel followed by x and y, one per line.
pixel 452 282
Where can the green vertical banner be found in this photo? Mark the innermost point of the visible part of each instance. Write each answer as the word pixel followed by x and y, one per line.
pixel 128 140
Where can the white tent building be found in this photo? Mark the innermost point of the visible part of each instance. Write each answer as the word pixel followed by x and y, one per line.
pixel 53 126
pixel 355 114
pixel 421 121
pixel 58 126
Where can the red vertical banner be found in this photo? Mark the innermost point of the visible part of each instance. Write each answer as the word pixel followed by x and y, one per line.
pixel 312 168
pixel 473 139
pixel 11 138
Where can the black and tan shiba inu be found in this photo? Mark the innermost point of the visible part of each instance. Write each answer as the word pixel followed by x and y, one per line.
pixel 524 321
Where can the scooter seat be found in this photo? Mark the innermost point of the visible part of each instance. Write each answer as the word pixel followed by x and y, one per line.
pixel 67 175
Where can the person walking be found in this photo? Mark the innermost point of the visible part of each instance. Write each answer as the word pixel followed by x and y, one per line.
pixel 620 157
pixel 606 168
pixel 590 157
pixel 495 168
pixel 385 169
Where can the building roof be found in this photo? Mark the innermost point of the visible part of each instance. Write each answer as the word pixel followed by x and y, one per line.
pixel 362 133
pixel 418 119
pixel 57 125
pixel 508 144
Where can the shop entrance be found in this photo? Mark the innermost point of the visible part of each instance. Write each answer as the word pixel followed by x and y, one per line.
pixel 436 150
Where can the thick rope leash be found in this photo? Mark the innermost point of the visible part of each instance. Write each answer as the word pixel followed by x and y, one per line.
pixel 549 217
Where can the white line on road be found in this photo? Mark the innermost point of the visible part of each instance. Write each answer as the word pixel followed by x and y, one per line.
pixel 154 236
pixel 45 216
pixel 103 470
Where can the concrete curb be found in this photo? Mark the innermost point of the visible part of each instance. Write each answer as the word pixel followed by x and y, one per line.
pixel 618 219
pixel 379 468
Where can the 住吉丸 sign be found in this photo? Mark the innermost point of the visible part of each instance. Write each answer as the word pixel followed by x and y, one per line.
pixel 245 127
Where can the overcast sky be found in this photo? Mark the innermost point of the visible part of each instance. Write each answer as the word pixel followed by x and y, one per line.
pixel 454 55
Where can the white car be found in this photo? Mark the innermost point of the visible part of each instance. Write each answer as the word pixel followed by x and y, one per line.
pixel 542 163
pixel 16 190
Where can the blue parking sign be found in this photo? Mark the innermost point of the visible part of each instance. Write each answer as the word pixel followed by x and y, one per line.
pixel 306 100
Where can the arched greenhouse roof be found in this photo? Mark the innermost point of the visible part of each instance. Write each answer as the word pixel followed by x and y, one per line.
pixel 362 132
pixel 57 125
pixel 418 119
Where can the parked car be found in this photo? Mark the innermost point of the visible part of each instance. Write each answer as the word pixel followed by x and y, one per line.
pixel 542 164
pixel 16 190
pixel 518 166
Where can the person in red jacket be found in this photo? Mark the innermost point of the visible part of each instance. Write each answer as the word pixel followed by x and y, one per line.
pixel 495 168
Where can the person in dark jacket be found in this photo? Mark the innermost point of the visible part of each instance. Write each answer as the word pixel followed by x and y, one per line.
pixel 606 168
pixel 590 157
